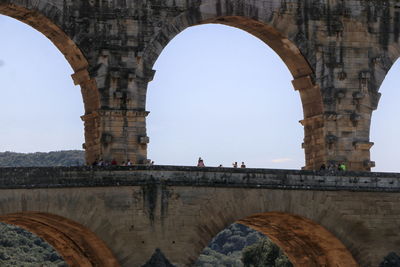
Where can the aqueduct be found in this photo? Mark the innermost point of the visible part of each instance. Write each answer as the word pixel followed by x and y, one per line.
pixel 338 53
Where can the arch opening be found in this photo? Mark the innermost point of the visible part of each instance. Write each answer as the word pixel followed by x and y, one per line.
pixel 303 241
pixel 222 97
pixel 45 18
pixel 74 242
pixel 383 129
pixel 301 70
pixel 239 245
pixel 48 28
pixel 276 38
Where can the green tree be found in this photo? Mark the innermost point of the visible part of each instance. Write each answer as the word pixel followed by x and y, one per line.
pixel 264 253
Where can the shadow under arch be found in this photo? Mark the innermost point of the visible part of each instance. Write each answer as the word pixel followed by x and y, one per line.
pixel 247 19
pixel 45 18
pixel 74 242
pixel 305 242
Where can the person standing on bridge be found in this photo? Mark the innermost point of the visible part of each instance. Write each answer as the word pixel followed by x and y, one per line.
pixel 342 167
pixel 200 163
pixel 243 166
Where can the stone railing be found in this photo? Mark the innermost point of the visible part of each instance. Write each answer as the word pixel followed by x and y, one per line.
pixel 58 177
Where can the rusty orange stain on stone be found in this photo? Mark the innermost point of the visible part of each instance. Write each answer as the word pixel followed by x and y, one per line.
pixel 75 243
pixel 305 242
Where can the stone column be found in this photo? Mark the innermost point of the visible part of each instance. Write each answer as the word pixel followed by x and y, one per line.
pixel 348 130
pixel 123 135
pixel 349 98
pixel 338 100
pixel 115 126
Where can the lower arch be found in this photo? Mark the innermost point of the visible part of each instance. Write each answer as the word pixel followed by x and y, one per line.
pixel 74 242
pixel 305 242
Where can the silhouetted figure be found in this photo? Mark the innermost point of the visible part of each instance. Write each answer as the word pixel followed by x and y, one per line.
pixel 243 165
pixel 235 164
pixel 323 167
pixel 332 167
pixel 200 162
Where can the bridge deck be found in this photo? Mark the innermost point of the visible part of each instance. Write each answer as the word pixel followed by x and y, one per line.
pixel 60 177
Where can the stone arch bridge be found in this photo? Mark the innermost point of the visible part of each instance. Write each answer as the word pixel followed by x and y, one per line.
pixel 337 51
pixel 121 216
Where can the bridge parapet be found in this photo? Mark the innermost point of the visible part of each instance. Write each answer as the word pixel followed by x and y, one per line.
pixel 65 177
pixel 178 210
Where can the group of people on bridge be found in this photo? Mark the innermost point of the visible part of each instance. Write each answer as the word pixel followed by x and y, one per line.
pixel 128 162
pixel 332 167
pixel 200 163
pixel 103 163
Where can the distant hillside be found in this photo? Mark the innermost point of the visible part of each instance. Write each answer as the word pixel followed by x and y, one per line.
pixel 41 159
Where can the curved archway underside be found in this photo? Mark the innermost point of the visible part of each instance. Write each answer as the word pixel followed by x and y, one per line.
pixel 305 242
pixel 49 29
pixel 289 53
pixel 74 242
pixel 45 18
pixel 63 42
pixel 287 50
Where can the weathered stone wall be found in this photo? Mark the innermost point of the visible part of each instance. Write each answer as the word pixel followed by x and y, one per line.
pixel 180 209
pixel 338 52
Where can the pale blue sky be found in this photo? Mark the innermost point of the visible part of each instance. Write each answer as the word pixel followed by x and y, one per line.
pixel 218 93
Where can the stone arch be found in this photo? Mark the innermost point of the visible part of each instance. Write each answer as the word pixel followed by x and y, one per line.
pixel 383 67
pixel 277 37
pixel 305 242
pixel 381 63
pixel 47 18
pixel 247 20
pixel 372 79
pixel 74 242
